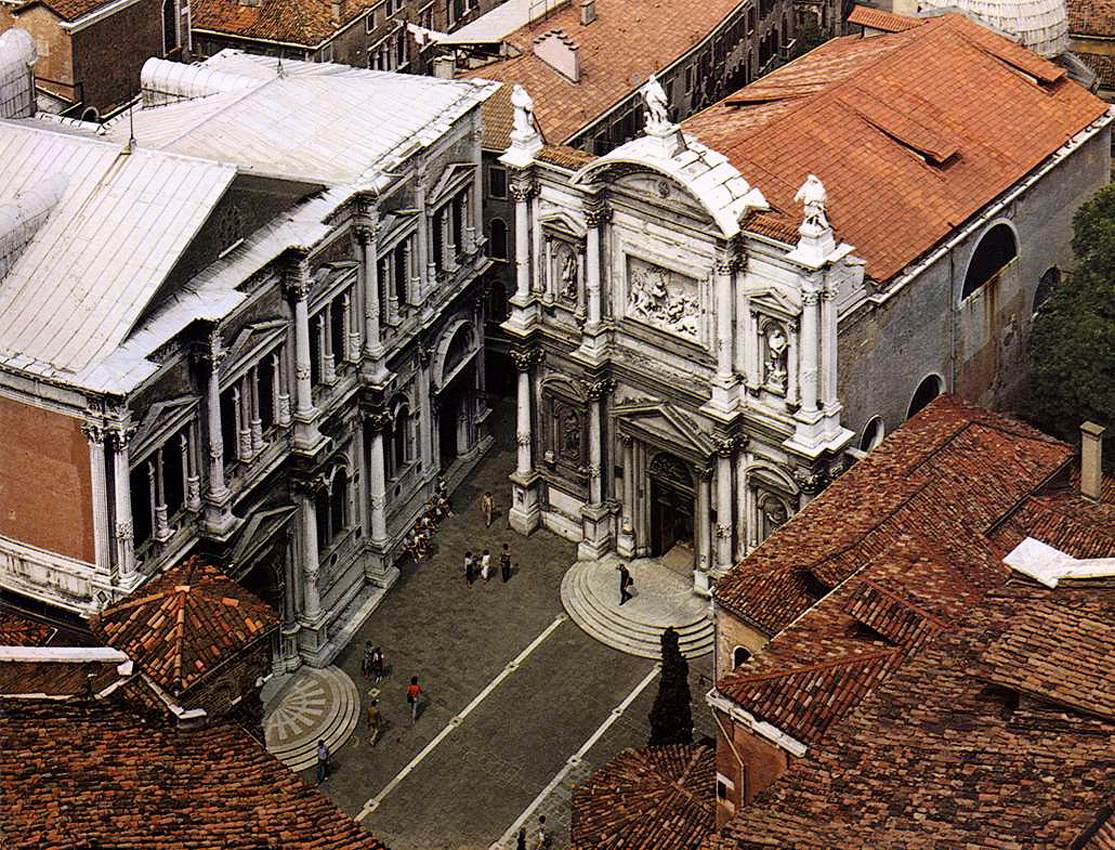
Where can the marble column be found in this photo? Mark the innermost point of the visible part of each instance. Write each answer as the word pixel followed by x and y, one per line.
pixel 596 217
pixel 369 283
pixel 807 373
pixel 307 515
pixel 725 449
pixel 828 331
pixel 596 517
pixel 723 273
pixel 306 434
pixel 625 542
pixel 595 451
pixel 289 659
pixel 377 479
pixel 426 411
pixel 521 191
pixel 524 513
pixel 219 520
pixel 122 491
pixel 704 530
pixel 102 550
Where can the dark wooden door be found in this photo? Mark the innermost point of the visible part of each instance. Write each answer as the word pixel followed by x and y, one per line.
pixel 671 517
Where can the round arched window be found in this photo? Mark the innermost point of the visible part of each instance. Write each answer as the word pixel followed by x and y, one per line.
pixel 995 250
pixel 740 655
pixel 931 387
pixel 873 434
pixel 1046 286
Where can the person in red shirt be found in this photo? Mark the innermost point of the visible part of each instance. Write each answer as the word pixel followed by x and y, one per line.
pixel 414 691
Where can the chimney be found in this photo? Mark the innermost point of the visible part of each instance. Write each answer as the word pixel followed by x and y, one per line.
pixel 445 67
pixel 560 52
pixel 1091 460
pixel 337 9
pixel 588 12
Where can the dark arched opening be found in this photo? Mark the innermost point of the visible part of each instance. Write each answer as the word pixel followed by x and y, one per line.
pixel 995 250
pixel 927 390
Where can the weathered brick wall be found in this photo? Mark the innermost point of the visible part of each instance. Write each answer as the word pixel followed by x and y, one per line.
pixel 54 70
pixel 109 54
pixel 751 763
pixel 46 491
pixel 237 679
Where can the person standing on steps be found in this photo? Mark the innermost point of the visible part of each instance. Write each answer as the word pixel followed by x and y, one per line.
pixel 486 565
pixel 505 563
pixel 625 582
pixel 322 761
pixel 414 692
pixel 488 503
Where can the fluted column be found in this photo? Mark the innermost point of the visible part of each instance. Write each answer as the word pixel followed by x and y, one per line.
pixel 98 472
pixel 596 217
pixel 725 450
pixel 524 362
pixel 704 524
pixel 120 434
pixel 307 516
pixel 828 333
pixel 807 374
pixel 306 434
pixel 625 542
pixel 217 492
pixel 522 189
pixel 596 391
pixel 426 406
pixel 377 478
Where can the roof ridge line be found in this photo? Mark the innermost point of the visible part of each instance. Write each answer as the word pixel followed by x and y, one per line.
pixel 844 661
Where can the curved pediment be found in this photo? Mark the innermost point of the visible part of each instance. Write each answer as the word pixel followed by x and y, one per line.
pixel 704 174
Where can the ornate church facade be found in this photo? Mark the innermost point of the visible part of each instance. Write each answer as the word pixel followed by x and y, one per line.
pixel 698 355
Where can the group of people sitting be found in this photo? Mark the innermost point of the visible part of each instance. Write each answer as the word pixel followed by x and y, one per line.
pixel 419 539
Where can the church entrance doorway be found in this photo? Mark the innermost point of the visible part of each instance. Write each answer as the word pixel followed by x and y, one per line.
pixel 454 420
pixel 671 511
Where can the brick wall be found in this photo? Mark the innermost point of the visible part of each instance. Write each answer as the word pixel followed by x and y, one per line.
pixel 232 691
pixel 109 54
pixel 46 493
pixel 750 763
pixel 54 70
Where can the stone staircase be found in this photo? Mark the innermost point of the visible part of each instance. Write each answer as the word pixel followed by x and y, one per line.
pixel 636 628
pixel 319 703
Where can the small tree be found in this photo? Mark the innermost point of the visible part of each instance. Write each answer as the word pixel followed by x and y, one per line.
pixel 671 717
pixel 1072 345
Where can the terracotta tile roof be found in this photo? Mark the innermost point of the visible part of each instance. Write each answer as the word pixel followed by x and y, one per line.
pixel 499 118
pixel 911 132
pixel 19 631
pixel 1104 836
pixel 67 10
pixel 306 23
pixel 56 679
pixel 1091 17
pixel 1101 64
pixel 939 756
pixel 877 19
pixel 629 40
pixel 183 624
pixel 82 776
pixel 1061 517
pixel 936 485
pixel 564 156
pixel 648 799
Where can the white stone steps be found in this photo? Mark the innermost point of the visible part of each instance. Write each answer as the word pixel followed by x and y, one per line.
pixel 621 629
pixel 327 697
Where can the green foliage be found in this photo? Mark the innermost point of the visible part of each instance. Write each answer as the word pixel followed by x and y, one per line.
pixel 1072 345
pixel 671 716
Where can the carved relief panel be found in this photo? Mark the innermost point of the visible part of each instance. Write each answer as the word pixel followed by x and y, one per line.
pixel 663 298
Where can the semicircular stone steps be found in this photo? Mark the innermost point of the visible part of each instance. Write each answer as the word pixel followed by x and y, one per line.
pixel 322 703
pixel 590 595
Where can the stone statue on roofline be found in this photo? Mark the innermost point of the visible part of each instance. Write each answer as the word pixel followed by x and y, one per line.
pixel 658 108
pixel 813 197
pixel 526 141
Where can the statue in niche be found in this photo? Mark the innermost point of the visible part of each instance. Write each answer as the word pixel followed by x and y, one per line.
pixel 774 514
pixel 568 271
pixel 659 296
pixel 569 429
pixel 775 367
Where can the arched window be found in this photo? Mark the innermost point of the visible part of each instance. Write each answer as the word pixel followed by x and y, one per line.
pixel 873 434
pixel 497 301
pixel 995 250
pixel 931 387
pixel 170 26
pixel 400 436
pixel 1046 286
pixel 459 348
pixel 740 655
pixel 497 244
pixel 338 503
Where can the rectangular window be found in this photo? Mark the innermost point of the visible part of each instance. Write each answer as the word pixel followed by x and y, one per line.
pixel 174 474
pixel 688 79
pixel 315 352
pixel 140 483
pixel 439 243
pixel 338 333
pixel 230 426
pixel 497 182
pixel 266 384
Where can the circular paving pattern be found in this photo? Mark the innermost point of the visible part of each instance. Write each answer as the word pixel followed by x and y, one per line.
pixel 320 704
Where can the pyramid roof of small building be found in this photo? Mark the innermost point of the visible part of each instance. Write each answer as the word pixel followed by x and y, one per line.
pixel 648 799
pixel 912 133
pixel 181 626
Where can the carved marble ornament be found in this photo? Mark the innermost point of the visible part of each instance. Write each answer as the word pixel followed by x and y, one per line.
pixel 657 106
pixel 814 198
pixel 663 298
pixel 774 367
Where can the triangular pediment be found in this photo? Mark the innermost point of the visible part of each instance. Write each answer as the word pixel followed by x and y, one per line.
pixel 455 174
pixel 560 220
pixel 253 337
pixel 668 423
pixel 259 531
pixel 776 299
pixel 161 416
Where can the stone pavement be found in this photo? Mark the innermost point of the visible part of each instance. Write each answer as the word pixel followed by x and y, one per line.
pixel 482 774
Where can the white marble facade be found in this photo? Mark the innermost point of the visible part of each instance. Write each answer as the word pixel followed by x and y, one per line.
pixel 677 376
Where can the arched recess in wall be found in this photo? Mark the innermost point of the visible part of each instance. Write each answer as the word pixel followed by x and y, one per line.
pixel 995 250
pixel 170 26
pixel 740 655
pixel 873 433
pixel 930 387
pixel 1047 284
pixel 497 241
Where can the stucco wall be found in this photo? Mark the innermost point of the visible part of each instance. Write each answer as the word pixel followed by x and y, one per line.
pixel 751 763
pixel 885 352
pixel 46 493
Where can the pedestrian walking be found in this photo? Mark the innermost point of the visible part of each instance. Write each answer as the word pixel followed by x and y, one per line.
pixel 470 569
pixel 521 841
pixel 542 837
pixel 322 761
pixel 374 720
pixel 366 661
pixel 414 691
pixel 505 563
pixel 486 565
pixel 377 664
pixel 625 583
pixel 488 503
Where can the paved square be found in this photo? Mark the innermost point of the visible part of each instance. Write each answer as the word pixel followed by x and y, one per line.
pixel 484 772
